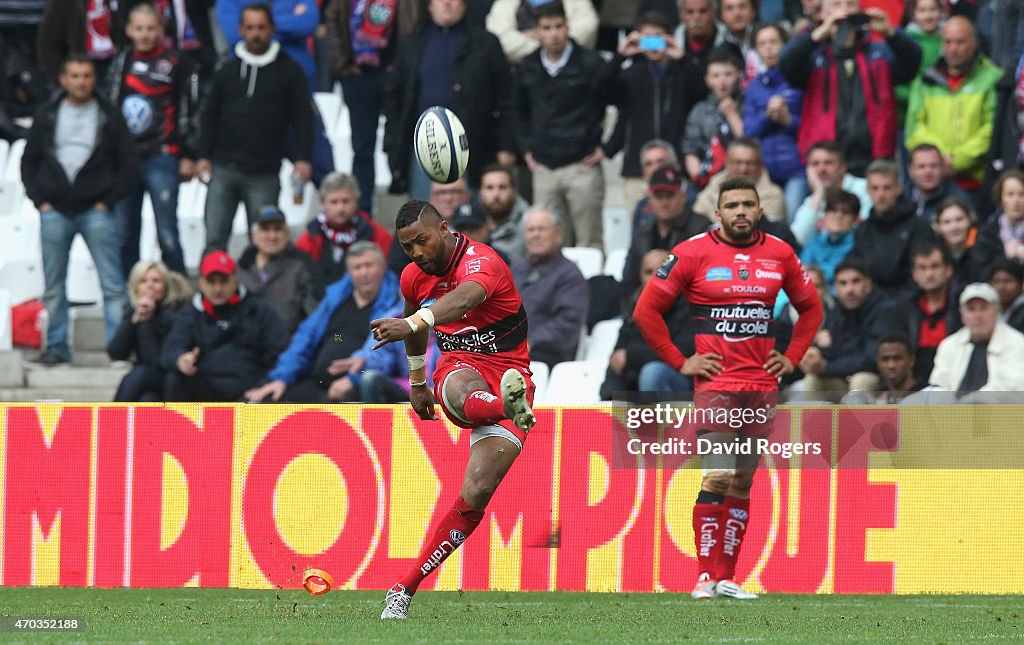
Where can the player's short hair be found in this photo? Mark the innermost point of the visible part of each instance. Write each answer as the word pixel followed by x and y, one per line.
pixel 956 202
pixel 839 199
pixel 665 145
pixel 78 57
pixel 924 249
pixel 550 10
pixel 339 181
pixel 362 247
pixel 653 19
pixel 830 147
pixel 737 183
pixel 1006 265
pixel 897 338
pixel 852 264
pixel 257 6
pixel 411 212
pixel 885 167
pixel 497 167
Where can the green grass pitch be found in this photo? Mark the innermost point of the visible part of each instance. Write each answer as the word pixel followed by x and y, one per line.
pixel 234 616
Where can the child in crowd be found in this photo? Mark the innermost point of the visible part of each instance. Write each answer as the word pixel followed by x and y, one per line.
pixel 716 120
pixel 771 112
pixel 831 246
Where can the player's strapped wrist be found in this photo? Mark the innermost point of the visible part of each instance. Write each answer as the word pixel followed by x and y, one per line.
pixel 418 370
pixel 422 319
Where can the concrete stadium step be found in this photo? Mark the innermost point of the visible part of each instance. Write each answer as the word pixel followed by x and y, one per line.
pixel 65 376
pixel 91 358
pixel 88 331
pixel 12 372
pixel 76 394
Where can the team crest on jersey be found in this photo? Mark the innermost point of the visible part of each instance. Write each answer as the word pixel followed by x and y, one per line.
pixel 743 274
pixel 666 266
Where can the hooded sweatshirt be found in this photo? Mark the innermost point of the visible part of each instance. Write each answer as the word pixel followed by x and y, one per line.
pixel 253 100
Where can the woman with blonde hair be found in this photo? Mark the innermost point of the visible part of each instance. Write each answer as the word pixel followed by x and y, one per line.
pixel 155 293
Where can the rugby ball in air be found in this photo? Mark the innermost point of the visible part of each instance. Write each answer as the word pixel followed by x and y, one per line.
pixel 441 145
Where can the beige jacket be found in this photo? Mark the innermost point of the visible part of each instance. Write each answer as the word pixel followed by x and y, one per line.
pixel 1005 360
pixel 501 22
pixel 772 200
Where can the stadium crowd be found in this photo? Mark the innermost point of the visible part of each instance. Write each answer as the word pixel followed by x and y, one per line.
pixel 885 139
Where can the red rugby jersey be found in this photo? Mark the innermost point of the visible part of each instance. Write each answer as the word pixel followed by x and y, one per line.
pixel 495 326
pixel 732 290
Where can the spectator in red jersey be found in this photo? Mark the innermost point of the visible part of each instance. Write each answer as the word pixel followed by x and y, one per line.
pixel 337 227
pixel 465 293
pixel 735 364
pixel 186 28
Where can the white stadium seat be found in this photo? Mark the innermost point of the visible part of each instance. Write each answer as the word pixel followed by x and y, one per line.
pixel 615 263
pixel 329 105
pixel 192 232
pixel 618 230
pixel 575 383
pixel 602 340
pixel 541 375
pixel 589 260
pixel 5 148
pixel 23 278
pixel 12 169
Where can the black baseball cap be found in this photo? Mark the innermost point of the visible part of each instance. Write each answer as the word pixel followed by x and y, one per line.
pixel 469 216
pixel 269 214
pixel 666 178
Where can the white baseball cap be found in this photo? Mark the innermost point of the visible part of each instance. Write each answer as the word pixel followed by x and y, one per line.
pixel 981 290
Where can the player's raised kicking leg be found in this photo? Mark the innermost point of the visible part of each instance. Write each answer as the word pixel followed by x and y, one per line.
pixel 493 450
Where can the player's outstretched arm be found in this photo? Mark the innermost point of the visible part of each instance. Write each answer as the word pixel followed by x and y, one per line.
pixel 450 307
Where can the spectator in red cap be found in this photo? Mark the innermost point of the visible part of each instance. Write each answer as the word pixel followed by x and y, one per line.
pixel 225 342
pixel 674 221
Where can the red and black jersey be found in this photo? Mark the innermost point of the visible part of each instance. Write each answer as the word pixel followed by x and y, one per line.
pixel 157 93
pixel 496 326
pixel 732 290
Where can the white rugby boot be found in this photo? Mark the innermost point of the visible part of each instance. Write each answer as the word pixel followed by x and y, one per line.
pixel 705 588
pixel 396 603
pixel 729 589
pixel 513 393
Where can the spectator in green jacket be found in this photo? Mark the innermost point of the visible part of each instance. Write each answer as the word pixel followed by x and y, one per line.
pixel 953 105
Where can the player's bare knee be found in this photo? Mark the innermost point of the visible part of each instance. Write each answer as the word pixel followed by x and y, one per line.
pixel 717 481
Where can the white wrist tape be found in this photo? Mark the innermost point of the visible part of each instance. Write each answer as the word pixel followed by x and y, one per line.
pixel 417 362
pixel 427 315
